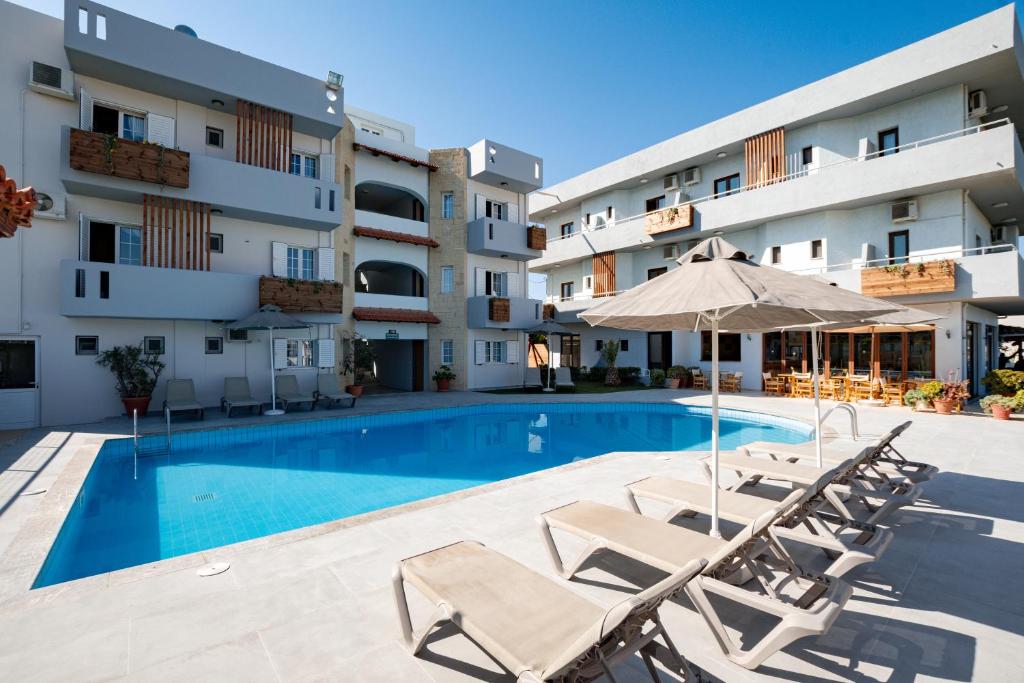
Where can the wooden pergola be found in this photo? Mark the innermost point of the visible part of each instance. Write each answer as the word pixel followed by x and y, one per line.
pixel 16 206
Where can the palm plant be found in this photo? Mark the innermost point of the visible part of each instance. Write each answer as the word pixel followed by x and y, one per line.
pixel 610 352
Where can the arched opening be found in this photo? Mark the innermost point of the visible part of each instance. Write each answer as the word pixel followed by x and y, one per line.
pixel 385 277
pixel 388 200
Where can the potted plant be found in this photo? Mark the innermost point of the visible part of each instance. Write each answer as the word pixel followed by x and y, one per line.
pixel 676 374
pixel 135 375
pixel 657 378
pixel 443 376
pixel 952 393
pixel 915 399
pixel 999 406
pixel 610 352
pixel 358 364
pixel 1004 382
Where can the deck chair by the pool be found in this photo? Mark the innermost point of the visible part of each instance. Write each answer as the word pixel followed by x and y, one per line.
pixel 534 379
pixel 288 392
pixel 563 378
pixel 181 395
pixel 814 522
pixel 533 626
pixel 805 603
pixel 238 395
pixel 329 390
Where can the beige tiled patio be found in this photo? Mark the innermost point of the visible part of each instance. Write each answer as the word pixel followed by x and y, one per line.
pixel 315 604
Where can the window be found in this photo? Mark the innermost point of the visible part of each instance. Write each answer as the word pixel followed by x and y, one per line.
pixel 447 279
pixel 447 352
pixel 303 164
pixel 133 127
pixel 598 344
pixel 816 249
pixel 586 220
pixel 899 247
pixel 497 352
pixel 214 345
pixel 217 242
pixel 316 197
pixel 610 213
pixel 300 263
pixel 655 272
pixel 624 345
pixel 366 128
pixel 567 229
pixel 494 210
pixel 104 284
pixel 497 284
pixel 888 141
pixel 87 346
pixel 728 347
pixel 727 185
pixel 111 120
pixel 348 183
pixel 154 345
pixel 448 205
pixel 569 350
pixel 776 255
pixel 330 200
pixel 299 353
pixel 655 203
pixel 129 246
pixel 807 155
pixel 214 137
pixel 566 291
pixel 79 283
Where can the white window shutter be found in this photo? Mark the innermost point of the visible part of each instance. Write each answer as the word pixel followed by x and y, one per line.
pixel 512 352
pixel 327 168
pixel 325 263
pixel 325 353
pixel 83 237
pixel 279 259
pixel 513 285
pixel 513 212
pixel 481 206
pixel 481 281
pixel 280 354
pixel 160 130
pixel 84 110
pixel 480 355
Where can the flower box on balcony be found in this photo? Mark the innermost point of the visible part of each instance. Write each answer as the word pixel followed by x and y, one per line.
pixel 536 238
pixel 111 155
pixel 672 218
pixel 301 296
pixel 499 310
pixel 909 278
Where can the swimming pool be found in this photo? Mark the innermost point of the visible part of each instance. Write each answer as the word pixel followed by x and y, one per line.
pixel 228 485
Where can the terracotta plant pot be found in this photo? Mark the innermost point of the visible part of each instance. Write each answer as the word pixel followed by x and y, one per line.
pixel 922 405
pixel 672 383
pixel 355 389
pixel 1001 412
pixel 442 384
pixel 139 403
pixel 943 406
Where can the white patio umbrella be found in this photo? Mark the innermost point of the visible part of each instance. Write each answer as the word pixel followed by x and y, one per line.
pixel 717 287
pixel 269 317
pixel 549 327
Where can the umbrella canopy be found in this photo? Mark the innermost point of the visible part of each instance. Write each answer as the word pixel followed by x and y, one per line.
pixel 269 317
pixel 907 320
pixel 717 287
pixel 549 327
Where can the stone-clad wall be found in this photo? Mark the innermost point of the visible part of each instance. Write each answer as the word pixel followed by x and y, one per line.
pixel 451 176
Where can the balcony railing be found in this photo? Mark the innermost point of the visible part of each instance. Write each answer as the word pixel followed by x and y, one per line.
pixel 301 296
pixel 129 159
pixel 655 217
pixel 951 253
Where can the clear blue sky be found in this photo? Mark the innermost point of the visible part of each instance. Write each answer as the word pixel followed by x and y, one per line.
pixel 578 83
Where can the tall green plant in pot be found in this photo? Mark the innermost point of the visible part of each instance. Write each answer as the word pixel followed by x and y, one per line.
pixel 135 375
pixel 610 352
pixel 358 364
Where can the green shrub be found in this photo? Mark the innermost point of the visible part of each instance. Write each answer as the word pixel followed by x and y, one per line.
pixel 913 396
pixel 1006 382
pixel 678 372
pixel 657 378
pixel 629 375
pixel 1008 402
pixel 931 390
pixel 1018 398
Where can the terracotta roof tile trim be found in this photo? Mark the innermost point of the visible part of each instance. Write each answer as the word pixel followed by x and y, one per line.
pixel 377 233
pixel 377 151
pixel 394 315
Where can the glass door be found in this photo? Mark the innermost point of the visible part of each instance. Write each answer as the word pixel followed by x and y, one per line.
pixel 19 383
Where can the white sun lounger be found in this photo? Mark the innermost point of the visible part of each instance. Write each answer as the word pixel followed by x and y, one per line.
pixel 329 390
pixel 563 378
pixel 533 626
pixel 238 395
pixel 805 604
pixel 288 392
pixel 181 395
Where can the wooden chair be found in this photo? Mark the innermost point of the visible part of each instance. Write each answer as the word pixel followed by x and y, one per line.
pixel 699 380
pixel 773 385
pixel 802 385
pixel 834 388
pixel 861 389
pixel 732 382
pixel 891 392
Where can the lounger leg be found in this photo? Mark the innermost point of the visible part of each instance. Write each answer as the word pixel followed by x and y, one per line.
pixel 650 665
pixel 413 642
pixel 556 559
pixel 631 499
pixel 682 665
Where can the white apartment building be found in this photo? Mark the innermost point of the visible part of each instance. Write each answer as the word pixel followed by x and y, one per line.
pixel 900 178
pixel 185 185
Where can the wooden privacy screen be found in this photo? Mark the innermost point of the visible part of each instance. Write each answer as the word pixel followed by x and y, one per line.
pixel 604 273
pixel 175 233
pixel 765 156
pixel 263 136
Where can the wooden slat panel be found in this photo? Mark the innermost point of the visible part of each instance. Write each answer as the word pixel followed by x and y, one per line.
pixel 604 273
pixel 206 240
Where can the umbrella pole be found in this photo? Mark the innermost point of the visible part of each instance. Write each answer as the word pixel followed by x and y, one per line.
pixel 817 396
pixel 714 428
pixel 273 383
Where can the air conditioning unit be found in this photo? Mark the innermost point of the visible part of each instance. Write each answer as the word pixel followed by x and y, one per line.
pixel 588 283
pixel 1005 234
pixel 51 206
pixel 670 252
pixel 901 212
pixel 51 80
pixel 670 183
pixel 238 335
pixel 977 104
pixel 691 176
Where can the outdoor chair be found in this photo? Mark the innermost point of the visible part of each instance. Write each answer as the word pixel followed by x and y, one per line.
pixel 773 385
pixel 563 378
pixel 328 390
pixel 802 386
pixel 288 392
pixel 535 378
pixel 181 395
pixel 533 626
pixel 890 392
pixel 700 381
pixel 732 382
pixel 861 389
pixel 238 395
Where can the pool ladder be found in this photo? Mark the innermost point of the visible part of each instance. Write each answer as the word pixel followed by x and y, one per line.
pixel 849 410
pixel 157 450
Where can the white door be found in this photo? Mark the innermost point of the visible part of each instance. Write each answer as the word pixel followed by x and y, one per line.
pixel 19 382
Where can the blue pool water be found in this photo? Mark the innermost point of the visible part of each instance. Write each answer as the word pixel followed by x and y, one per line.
pixel 229 485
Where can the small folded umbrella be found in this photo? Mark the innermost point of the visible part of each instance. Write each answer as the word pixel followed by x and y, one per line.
pixel 269 317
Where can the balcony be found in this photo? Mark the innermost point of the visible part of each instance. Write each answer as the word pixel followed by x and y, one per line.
pixel 488 312
pixel 238 190
pixel 109 155
pixel 412 303
pixel 154 293
pixel 373 219
pixel 301 296
pixel 503 239
pixel 118 48
pixel 499 165
pixel 568 310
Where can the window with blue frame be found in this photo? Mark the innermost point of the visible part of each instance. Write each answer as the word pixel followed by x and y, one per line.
pixel 300 263
pixel 129 246
pixel 133 127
